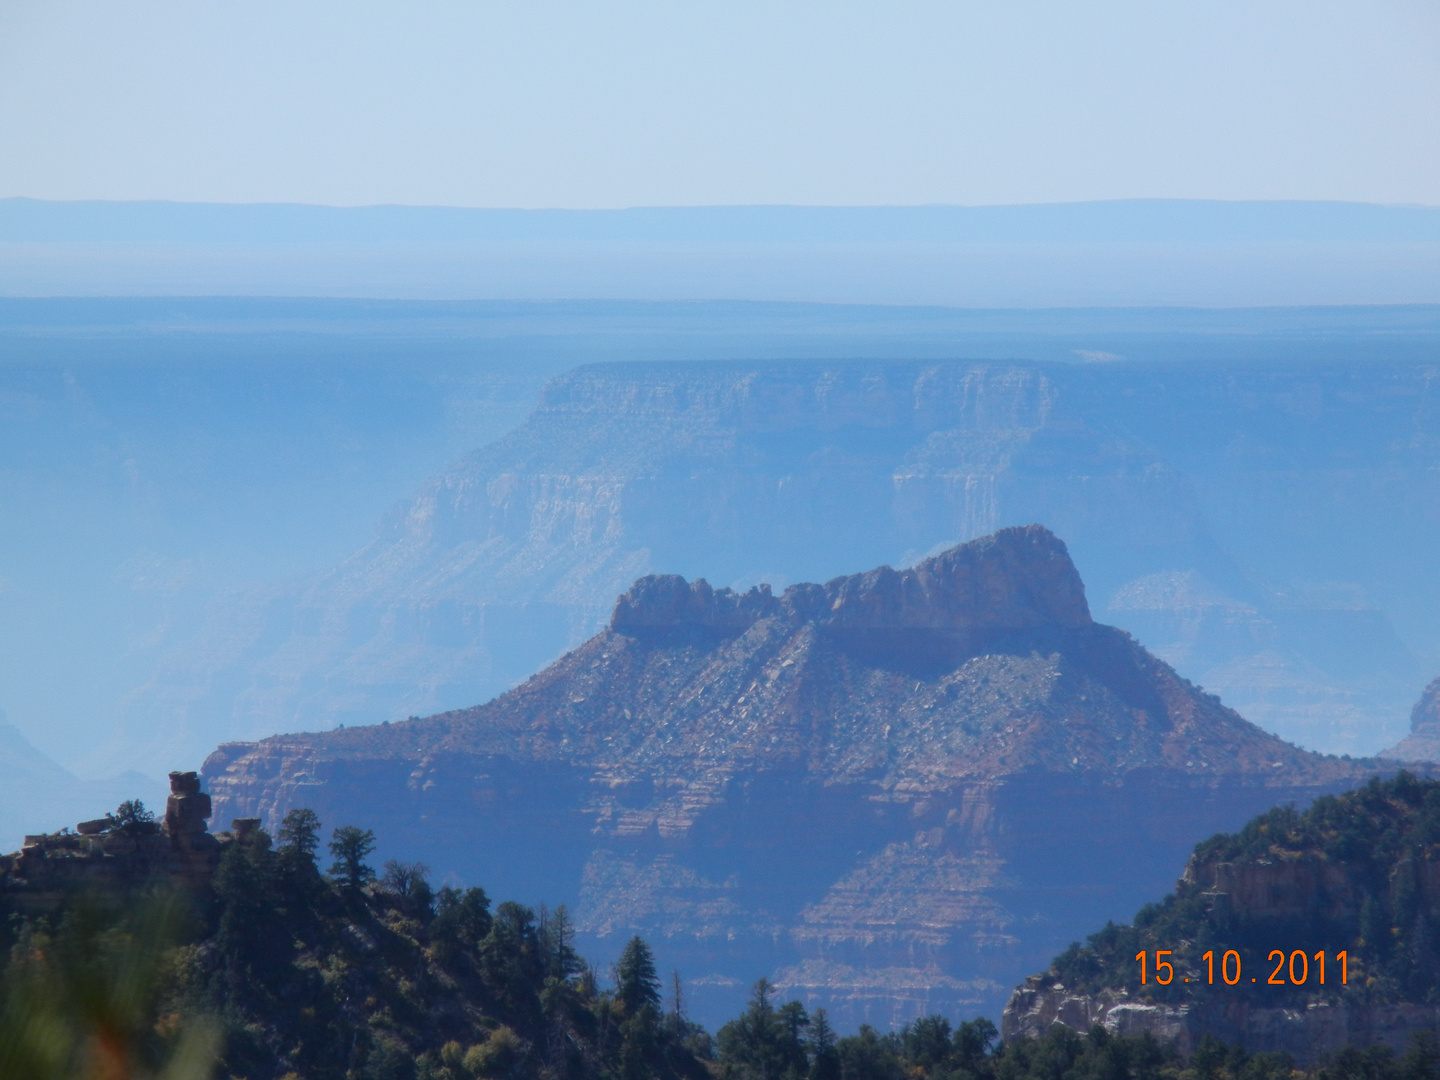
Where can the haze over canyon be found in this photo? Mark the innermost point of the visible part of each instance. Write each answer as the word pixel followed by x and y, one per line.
pixel 890 793
pixel 1262 527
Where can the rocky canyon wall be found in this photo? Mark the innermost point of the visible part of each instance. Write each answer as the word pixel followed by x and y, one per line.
pixel 890 793
pixel 1258 526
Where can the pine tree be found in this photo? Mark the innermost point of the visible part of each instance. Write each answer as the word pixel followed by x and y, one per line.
pixel 132 819
pixel 509 960
pixel 636 983
pixel 252 934
pixel 753 1044
pixel 927 1042
pixel 351 845
pixel 300 832
pixel 792 1020
pixel 557 944
pixel 1404 894
pixel 462 920
pixel 824 1060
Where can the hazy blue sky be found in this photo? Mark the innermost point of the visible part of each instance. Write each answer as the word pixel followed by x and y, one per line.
pixel 582 104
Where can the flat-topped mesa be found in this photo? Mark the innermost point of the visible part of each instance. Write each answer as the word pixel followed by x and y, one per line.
pixel 1016 579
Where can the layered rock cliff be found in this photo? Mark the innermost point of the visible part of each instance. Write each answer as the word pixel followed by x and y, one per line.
pixel 1165 480
pixel 1423 742
pixel 887 791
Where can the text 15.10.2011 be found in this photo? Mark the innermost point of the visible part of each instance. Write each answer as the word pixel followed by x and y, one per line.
pixel 1295 968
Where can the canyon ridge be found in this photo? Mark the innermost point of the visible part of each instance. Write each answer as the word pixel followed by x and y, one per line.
pixel 894 793
pixel 1260 527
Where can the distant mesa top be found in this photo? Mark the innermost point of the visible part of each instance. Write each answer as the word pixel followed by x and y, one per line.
pixel 1016 579
pixel 979 662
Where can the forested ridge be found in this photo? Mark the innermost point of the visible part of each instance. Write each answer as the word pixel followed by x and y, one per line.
pixel 1362 873
pixel 279 970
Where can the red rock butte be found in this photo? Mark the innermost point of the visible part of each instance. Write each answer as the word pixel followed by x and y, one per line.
pixel 895 792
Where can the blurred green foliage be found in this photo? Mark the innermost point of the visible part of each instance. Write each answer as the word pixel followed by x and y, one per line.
pixel 90 996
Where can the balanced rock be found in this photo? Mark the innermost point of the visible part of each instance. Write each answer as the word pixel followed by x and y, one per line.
pixel 107 853
pixel 187 807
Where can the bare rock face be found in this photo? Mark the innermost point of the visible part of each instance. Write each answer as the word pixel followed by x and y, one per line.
pixel 1307 1034
pixel 1426 713
pixel 1423 742
pixel 1158 474
pixel 1016 581
pixel 185 812
pixel 893 792
pixel 668 603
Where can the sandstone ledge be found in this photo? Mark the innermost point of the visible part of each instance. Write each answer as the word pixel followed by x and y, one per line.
pixel 1305 1033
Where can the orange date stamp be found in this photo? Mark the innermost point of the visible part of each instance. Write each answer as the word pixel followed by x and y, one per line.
pixel 1296 968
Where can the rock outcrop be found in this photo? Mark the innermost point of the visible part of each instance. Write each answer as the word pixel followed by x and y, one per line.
pixel 1016 582
pixel 1423 742
pixel 889 792
pixel 1306 1033
pixel 109 853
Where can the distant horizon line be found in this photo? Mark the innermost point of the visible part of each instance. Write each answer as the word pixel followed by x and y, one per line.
pixel 14 300
pixel 1111 221
pixel 1123 200
pixel 1107 253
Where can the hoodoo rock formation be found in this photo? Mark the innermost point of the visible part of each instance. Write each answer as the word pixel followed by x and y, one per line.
pixel 106 853
pixel 893 793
